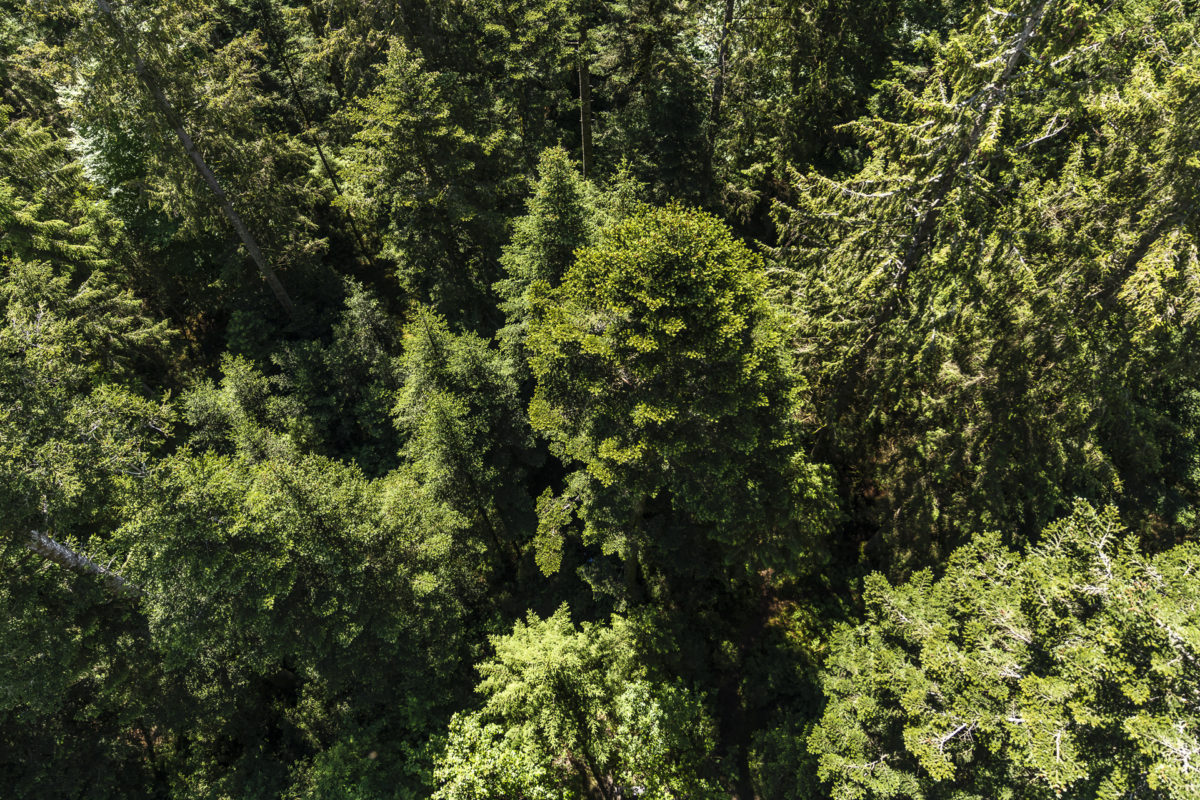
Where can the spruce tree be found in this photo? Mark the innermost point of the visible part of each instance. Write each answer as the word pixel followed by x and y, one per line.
pixel 1067 671
pixel 659 371
pixel 991 307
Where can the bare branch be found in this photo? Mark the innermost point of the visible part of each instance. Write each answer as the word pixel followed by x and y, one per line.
pixel 67 558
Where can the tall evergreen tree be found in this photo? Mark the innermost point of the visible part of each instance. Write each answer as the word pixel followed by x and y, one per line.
pixel 659 371
pixel 1066 672
pixel 570 712
pixel 465 434
pixel 983 308
pixel 560 219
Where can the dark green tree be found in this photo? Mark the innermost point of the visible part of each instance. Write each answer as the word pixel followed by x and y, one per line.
pixel 995 311
pixel 422 176
pixel 304 616
pixel 78 427
pixel 560 218
pixel 466 435
pixel 788 74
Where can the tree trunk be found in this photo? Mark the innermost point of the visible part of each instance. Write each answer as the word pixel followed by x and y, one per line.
pixel 176 122
pixel 67 558
pixel 585 103
pixel 718 91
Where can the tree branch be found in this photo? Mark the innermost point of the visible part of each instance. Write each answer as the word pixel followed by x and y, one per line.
pixel 67 558
pixel 168 111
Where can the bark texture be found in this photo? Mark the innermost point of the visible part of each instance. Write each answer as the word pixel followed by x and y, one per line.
pixel 65 557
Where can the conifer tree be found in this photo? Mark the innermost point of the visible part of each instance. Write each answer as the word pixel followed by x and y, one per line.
pixel 422 176
pixel 79 425
pixel 983 307
pixel 659 372
pixel 570 712
pixel 294 606
pixel 964 276
pixel 174 110
pixel 560 219
pixel 1069 671
pixel 465 434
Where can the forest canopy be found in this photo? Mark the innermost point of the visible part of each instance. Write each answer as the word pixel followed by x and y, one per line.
pixel 545 400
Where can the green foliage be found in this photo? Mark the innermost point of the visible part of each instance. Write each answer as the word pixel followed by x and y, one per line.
pixel 431 187
pixel 532 44
pixel 465 434
pixel 73 686
pixel 651 97
pixel 210 66
pixel 326 397
pixel 47 209
pixel 568 712
pixel 563 214
pixel 558 222
pixel 77 424
pixel 340 392
pixel 659 369
pixel 981 307
pixel 795 72
pixel 1067 672
pixel 264 591
pixel 559 219
pixel 74 420
pixel 962 292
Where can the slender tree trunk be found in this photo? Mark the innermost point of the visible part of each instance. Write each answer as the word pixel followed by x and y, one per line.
pixel 176 122
pixel 718 91
pixel 281 47
pixel 67 558
pixel 585 103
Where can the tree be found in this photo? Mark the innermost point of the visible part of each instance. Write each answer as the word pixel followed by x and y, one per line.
pixel 429 183
pixel 193 134
pixel 1069 671
pixel 77 422
pixel 75 672
pixel 465 433
pixel 340 392
pixel 173 119
pixel 651 95
pixel 78 425
pixel 300 613
pixel 659 370
pixel 789 74
pixel 569 713
pixel 982 307
pixel 249 558
pixel 560 219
